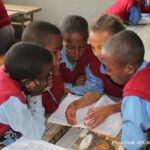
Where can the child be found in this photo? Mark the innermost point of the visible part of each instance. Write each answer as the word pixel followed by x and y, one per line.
pixel 7 35
pixel 24 63
pixel 76 54
pixel 48 36
pixel 123 56
pixel 128 10
pixel 99 82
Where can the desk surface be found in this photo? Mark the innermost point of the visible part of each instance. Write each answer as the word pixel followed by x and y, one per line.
pixel 22 9
pixel 12 13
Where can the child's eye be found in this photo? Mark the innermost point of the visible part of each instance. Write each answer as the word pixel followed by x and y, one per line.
pixel 83 46
pixel 69 47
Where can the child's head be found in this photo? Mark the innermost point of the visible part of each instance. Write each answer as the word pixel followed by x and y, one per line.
pixel 101 30
pixel 44 34
pixel 122 55
pixel 75 35
pixel 26 61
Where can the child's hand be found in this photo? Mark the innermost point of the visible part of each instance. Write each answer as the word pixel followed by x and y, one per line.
pixel 56 64
pixel 80 80
pixel 67 91
pixel 96 116
pixel 50 81
pixel 35 87
pixel 71 114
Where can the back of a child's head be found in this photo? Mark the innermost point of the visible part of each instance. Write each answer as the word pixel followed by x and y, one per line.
pixel 107 23
pixel 75 24
pixel 126 47
pixel 39 32
pixel 26 60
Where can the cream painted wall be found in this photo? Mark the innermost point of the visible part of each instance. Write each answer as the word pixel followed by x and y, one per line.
pixel 56 10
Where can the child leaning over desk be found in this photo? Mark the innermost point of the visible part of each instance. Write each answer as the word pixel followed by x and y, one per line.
pixel 123 56
pixel 20 114
pixel 129 10
pixel 48 36
pixel 76 54
pixel 98 82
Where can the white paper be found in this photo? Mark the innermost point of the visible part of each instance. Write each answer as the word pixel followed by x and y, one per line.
pixel 111 126
pixel 26 144
pixel 145 19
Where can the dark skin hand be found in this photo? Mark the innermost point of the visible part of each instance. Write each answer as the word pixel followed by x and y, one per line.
pixel 80 80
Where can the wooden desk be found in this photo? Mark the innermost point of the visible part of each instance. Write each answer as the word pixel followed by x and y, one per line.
pixel 23 10
pixel 144 32
pixel 12 13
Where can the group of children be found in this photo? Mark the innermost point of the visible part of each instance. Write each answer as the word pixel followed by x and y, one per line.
pixel 77 59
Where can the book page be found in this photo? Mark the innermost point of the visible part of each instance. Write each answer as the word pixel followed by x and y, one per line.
pixel 26 144
pixel 108 127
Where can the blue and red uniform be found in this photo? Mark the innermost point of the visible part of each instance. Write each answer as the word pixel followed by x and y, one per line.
pixel 101 82
pixel 135 109
pixel 70 73
pixel 52 98
pixel 18 118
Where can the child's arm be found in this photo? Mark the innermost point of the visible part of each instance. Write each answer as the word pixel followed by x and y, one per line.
pixel 134 15
pixel 21 119
pixel 51 100
pixel 95 90
pixel 97 115
pixel 136 120
pixel 86 100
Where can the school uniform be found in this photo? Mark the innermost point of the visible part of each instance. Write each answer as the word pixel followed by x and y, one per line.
pixel 71 72
pixel 53 96
pixel 128 10
pixel 17 116
pixel 7 35
pixel 100 82
pixel 136 109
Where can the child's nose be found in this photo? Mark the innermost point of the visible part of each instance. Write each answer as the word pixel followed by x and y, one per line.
pixel 76 52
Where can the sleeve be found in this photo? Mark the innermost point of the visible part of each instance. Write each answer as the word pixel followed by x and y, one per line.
pixel 95 83
pixel 134 15
pixel 136 120
pixel 29 122
pixel 58 88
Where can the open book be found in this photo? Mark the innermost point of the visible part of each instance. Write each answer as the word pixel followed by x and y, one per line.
pixel 89 140
pixel 26 144
pixel 111 126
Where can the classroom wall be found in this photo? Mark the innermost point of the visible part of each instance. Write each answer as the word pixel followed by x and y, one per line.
pixel 56 10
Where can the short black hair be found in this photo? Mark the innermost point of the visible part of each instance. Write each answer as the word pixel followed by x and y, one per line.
pixel 39 32
pixel 126 47
pixel 26 60
pixel 75 23
pixel 109 23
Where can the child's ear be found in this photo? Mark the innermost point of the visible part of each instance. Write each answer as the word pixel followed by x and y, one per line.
pixel 130 69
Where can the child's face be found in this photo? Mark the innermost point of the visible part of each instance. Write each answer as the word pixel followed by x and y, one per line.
pixel 75 45
pixel 97 39
pixel 117 72
pixel 55 46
